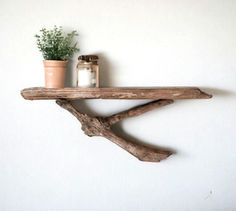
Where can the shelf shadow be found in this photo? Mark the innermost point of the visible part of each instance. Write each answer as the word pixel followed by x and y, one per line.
pixel 118 128
pixel 106 78
pixel 70 74
pixel 83 107
pixel 215 92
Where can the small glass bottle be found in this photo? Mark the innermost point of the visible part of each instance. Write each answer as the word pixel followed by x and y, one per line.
pixel 87 71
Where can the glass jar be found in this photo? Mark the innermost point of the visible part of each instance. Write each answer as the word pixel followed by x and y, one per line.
pixel 86 77
pixel 87 71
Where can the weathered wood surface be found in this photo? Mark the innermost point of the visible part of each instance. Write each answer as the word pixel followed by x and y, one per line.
pixel 39 93
pixel 138 110
pixel 101 126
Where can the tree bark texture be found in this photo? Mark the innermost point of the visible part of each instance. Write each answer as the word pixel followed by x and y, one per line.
pixel 101 126
pixel 40 93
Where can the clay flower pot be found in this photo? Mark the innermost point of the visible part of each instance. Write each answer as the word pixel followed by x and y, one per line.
pixel 54 73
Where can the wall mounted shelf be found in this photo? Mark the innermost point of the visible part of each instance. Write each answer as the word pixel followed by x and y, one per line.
pixel 102 126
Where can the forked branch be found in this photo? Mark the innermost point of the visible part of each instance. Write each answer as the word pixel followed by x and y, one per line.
pixel 100 126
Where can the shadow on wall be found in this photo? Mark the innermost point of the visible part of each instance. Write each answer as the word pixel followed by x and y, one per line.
pixel 106 78
pixel 118 128
pixel 105 72
pixel 70 73
pixel 218 92
pixel 105 67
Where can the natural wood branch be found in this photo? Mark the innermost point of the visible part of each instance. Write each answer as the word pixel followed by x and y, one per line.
pixel 99 126
pixel 140 151
pixel 92 126
pixel 39 93
pixel 138 110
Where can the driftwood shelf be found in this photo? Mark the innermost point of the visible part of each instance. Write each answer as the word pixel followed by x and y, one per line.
pixel 102 126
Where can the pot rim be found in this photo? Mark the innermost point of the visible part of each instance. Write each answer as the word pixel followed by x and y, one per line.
pixel 62 61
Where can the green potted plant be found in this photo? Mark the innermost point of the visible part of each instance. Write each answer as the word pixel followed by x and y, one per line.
pixel 56 47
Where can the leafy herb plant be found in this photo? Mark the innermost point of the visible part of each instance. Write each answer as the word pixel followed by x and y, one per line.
pixel 55 44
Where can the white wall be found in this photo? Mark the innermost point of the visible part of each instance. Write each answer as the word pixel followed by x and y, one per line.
pixel 47 163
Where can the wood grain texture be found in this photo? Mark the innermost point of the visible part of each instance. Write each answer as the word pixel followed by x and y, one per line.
pixel 138 110
pixel 39 93
pixel 100 126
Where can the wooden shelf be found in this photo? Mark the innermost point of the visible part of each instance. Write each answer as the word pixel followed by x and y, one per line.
pixel 39 93
pixel 102 126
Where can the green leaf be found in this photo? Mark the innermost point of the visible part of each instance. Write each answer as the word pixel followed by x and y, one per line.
pixel 55 44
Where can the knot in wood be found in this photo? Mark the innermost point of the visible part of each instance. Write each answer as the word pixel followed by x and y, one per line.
pixel 94 126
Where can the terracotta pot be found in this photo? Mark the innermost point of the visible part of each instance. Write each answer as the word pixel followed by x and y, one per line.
pixel 54 73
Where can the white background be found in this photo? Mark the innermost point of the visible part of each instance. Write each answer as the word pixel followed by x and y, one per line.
pixel 47 163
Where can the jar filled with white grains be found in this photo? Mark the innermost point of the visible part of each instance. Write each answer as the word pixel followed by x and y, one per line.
pixel 87 74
